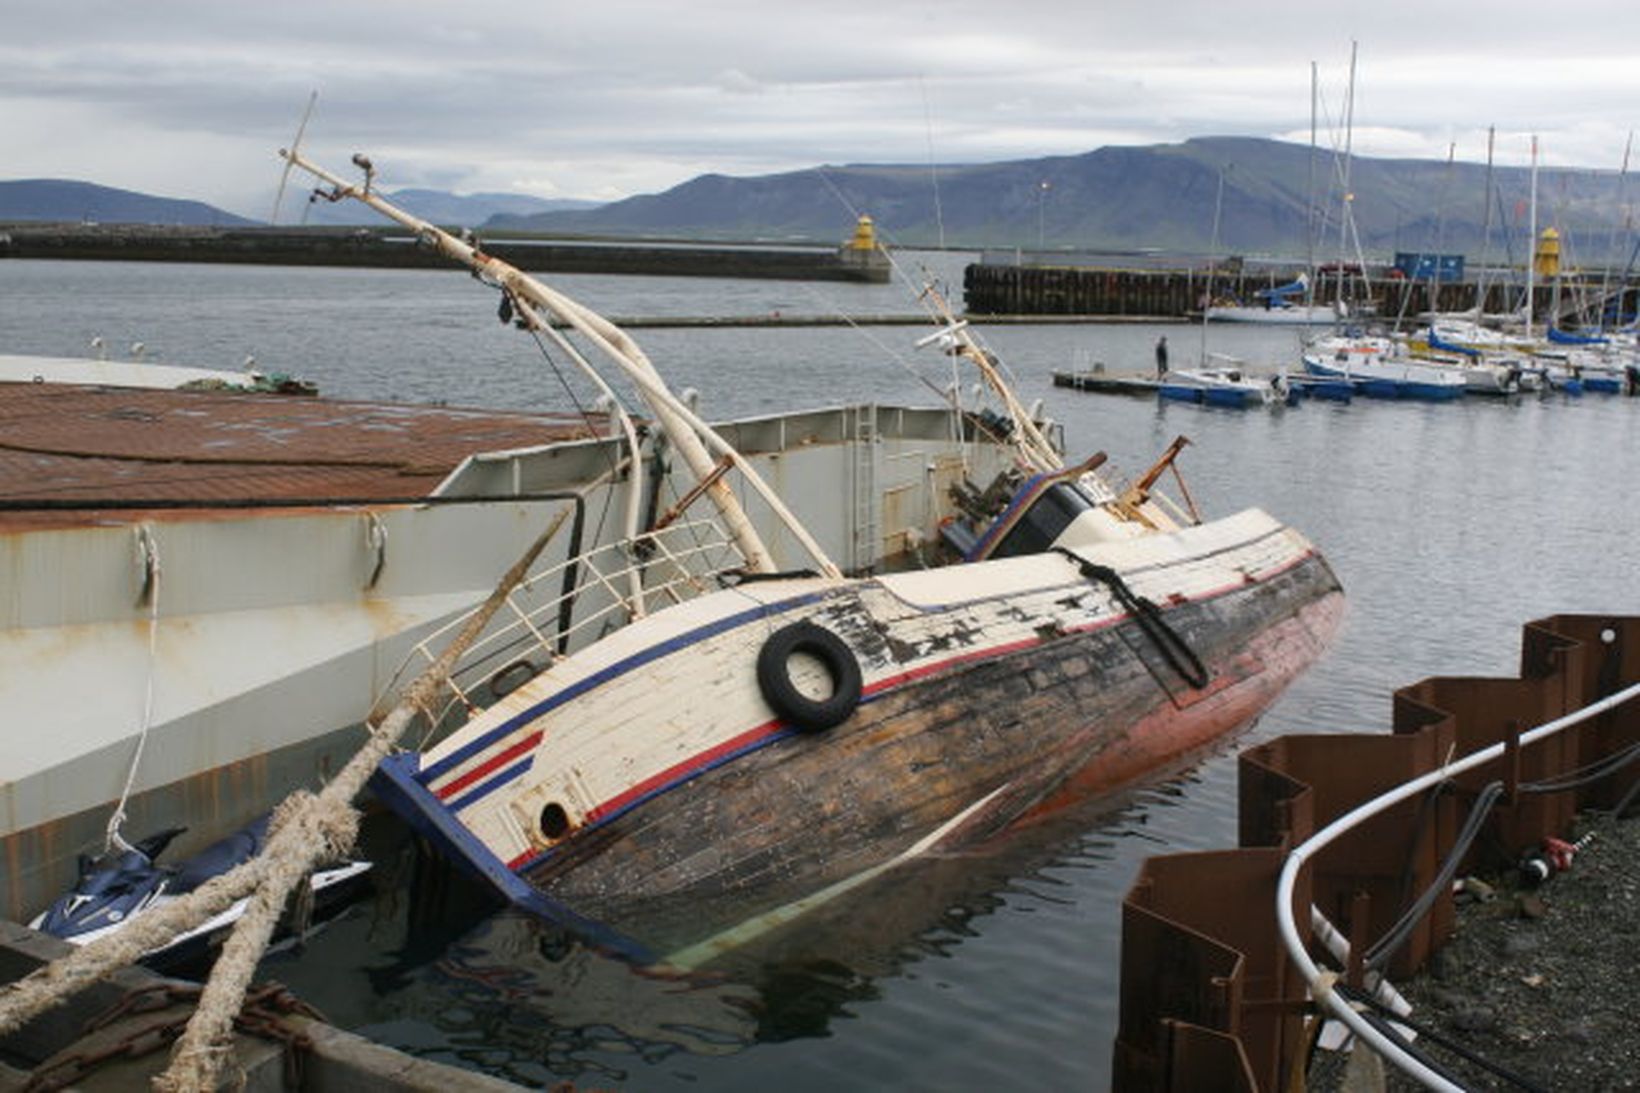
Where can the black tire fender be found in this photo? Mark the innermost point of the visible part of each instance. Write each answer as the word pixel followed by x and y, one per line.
pixel 774 677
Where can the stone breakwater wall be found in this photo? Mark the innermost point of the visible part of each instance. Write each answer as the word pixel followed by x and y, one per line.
pixel 397 250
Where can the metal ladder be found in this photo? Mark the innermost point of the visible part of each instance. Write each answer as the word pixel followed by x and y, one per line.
pixel 864 453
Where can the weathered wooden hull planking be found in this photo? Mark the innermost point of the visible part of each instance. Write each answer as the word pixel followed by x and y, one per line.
pixel 690 807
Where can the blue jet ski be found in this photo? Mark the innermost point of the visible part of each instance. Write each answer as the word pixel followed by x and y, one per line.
pixel 117 887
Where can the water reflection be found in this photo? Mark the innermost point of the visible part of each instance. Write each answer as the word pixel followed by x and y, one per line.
pixel 512 995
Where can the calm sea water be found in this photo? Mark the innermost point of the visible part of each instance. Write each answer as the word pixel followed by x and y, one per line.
pixel 1449 525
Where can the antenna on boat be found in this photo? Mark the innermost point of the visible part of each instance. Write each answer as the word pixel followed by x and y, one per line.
pixel 956 339
pixel 295 147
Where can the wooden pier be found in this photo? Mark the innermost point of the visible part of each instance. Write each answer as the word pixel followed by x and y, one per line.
pixel 1182 293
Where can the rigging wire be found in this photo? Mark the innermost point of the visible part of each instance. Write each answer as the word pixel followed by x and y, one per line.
pixel 933 170
pixel 506 311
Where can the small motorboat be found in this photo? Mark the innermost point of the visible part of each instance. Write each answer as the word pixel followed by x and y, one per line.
pixel 1221 385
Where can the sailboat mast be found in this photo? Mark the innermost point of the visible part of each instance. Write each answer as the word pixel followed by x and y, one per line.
pixel 1531 243
pixel 1218 206
pixel 1486 229
pixel 1349 147
pixel 1309 203
pixel 1612 247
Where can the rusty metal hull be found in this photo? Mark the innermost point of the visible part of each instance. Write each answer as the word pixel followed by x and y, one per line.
pixel 1001 708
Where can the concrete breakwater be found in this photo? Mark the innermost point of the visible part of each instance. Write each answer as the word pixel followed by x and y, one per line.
pixel 390 248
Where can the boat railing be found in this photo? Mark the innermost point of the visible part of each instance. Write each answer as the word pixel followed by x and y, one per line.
pixel 1319 982
pixel 586 595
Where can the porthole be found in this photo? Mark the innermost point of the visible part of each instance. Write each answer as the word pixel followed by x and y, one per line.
pixel 554 822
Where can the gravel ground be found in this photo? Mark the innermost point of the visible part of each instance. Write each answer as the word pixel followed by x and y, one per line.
pixel 1542 981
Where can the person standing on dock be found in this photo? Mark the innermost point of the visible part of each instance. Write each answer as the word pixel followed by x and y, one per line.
pixel 1161 356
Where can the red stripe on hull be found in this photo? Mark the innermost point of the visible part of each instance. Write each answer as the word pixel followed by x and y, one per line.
pixel 500 759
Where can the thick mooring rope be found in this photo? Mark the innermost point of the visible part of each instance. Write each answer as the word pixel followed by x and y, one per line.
pixel 306 829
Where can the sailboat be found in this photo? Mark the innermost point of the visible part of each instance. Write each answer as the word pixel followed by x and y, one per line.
pixel 1372 364
pixel 691 746
pixel 1218 379
pixel 1277 305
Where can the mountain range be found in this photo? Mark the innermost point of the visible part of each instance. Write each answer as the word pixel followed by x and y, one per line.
pixel 1235 195
pixel 50 199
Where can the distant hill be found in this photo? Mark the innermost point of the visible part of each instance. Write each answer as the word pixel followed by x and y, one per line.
pixel 64 199
pixel 55 199
pixel 1159 196
pixel 447 209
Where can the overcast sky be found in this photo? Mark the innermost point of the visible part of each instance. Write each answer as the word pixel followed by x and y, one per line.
pixel 606 99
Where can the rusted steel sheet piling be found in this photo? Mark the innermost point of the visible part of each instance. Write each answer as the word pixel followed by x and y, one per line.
pixel 1207 988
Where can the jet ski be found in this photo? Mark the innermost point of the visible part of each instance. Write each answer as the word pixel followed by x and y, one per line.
pixel 121 885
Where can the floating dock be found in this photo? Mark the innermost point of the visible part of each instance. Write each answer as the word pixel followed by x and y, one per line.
pixel 1107 383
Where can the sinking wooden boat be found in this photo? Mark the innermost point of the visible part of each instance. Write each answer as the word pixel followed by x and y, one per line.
pixel 714 746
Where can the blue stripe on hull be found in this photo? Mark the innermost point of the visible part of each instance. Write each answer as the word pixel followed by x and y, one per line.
pixel 1179 394
pixel 396 783
pixel 637 660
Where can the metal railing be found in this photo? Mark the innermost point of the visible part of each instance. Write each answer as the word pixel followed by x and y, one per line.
pixel 674 564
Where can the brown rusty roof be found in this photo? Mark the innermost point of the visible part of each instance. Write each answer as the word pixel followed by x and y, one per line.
pixel 63 443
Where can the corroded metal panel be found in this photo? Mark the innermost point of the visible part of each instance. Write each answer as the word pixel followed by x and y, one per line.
pixel 66 443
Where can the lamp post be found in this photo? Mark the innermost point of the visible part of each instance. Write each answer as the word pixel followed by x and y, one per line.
pixel 1041 201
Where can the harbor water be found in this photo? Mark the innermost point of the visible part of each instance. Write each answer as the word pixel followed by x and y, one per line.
pixel 1448 524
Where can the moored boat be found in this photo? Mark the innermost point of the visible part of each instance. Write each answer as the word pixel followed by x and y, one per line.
pixel 730 742
pixel 1377 370
pixel 141 372
pixel 1226 386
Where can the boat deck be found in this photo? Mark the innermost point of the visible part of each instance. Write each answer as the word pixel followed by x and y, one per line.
pixel 64 449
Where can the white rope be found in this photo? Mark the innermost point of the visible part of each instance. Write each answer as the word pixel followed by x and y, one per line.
pixel 149 549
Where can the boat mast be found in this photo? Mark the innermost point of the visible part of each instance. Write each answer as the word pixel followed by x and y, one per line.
pixel 1309 206
pixel 687 433
pixel 1213 251
pixel 1531 243
pixel 1486 231
pixel 1348 215
pixel 1613 247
